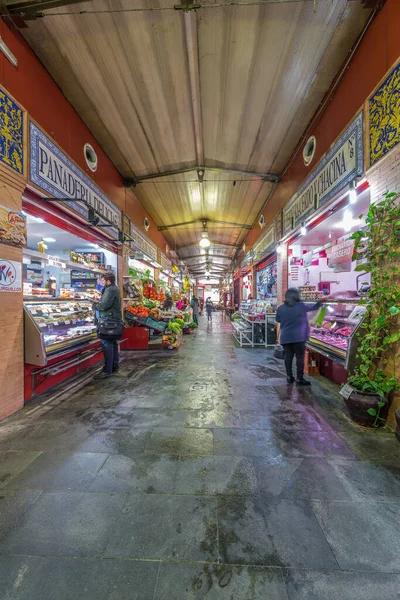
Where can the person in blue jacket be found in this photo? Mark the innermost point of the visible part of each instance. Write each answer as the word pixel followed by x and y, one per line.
pixel 293 333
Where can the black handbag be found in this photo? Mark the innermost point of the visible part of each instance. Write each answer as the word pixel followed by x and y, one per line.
pixel 110 329
pixel 278 352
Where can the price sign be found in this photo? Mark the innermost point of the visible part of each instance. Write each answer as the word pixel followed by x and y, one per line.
pixel 54 261
pixel 346 391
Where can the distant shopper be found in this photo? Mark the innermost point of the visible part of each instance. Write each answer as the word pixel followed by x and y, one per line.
pixel 167 302
pixel 185 302
pixel 293 332
pixel 209 308
pixel 194 303
pixel 109 307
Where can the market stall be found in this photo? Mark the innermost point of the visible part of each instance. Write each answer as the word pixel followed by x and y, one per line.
pixel 266 282
pixel 254 324
pixel 62 265
pixel 320 265
pixel 150 307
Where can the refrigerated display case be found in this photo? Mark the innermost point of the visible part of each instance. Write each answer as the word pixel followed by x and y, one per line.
pixel 331 331
pixel 53 325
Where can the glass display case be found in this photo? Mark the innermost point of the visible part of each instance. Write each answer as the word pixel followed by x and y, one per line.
pixel 52 325
pixel 332 327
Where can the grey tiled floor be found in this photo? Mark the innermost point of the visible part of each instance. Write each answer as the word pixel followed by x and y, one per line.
pixel 203 476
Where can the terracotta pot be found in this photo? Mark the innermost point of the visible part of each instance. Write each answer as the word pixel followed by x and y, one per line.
pixel 358 405
pixel 397 415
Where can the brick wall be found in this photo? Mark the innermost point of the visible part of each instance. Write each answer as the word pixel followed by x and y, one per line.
pixel 11 311
pixel 385 177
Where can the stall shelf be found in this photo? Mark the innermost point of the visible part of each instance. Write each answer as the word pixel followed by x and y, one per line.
pixel 256 325
pixel 40 256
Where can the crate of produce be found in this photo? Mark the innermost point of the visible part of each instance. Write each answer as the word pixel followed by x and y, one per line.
pixel 172 340
pixel 134 318
pixel 157 325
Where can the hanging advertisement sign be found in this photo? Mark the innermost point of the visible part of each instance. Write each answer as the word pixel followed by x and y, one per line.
pixel 10 276
pixel 307 259
pixel 343 162
pixel 341 254
pixel 52 171
pixel 12 227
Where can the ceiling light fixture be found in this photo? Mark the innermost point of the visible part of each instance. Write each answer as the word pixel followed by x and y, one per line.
pixel 204 242
pixel 303 229
pixel 49 239
pixel 8 54
pixel 279 248
pixel 352 192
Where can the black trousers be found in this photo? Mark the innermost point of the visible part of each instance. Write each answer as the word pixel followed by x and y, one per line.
pixel 290 351
pixel 111 356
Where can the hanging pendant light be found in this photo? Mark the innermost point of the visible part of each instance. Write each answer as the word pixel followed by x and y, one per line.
pixel 204 242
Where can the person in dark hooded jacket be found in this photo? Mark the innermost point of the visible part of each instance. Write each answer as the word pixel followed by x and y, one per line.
pixel 293 333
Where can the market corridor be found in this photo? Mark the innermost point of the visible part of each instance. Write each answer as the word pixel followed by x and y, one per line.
pixel 197 474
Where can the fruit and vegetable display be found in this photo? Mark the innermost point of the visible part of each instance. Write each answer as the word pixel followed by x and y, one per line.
pixel 171 339
pixel 174 327
pixel 150 291
pixel 138 311
pixel 145 309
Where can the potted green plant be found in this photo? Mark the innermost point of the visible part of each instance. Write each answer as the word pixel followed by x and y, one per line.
pixel 377 248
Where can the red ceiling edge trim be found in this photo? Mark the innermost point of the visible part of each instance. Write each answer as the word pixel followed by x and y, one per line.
pixel 33 205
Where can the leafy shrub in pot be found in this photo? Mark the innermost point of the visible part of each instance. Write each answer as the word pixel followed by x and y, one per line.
pixel 378 247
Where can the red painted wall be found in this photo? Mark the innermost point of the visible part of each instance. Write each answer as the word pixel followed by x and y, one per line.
pixel 378 51
pixel 33 87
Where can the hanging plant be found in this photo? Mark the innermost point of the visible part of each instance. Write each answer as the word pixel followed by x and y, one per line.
pixel 377 246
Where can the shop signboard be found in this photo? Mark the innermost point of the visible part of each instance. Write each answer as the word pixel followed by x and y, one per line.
pixel 247 261
pixel 10 276
pixel 141 242
pixel 166 264
pixel 341 255
pixel 343 163
pixel 52 171
pixel 12 227
pixel 265 244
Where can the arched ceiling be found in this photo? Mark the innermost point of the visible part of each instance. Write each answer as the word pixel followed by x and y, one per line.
pixel 226 87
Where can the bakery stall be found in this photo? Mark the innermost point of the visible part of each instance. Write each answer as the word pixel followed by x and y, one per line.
pixel 62 266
